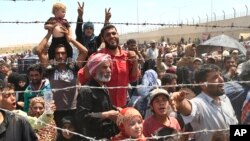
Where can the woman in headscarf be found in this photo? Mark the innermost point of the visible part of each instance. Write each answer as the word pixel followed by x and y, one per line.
pixel 37 108
pixel 139 98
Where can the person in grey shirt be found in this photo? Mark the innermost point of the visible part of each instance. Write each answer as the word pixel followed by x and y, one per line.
pixel 211 109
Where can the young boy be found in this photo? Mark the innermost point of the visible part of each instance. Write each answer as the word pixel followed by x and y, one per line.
pixel 159 104
pixel 59 27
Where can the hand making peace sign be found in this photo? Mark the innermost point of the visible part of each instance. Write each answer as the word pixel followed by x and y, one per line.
pixel 107 14
pixel 80 9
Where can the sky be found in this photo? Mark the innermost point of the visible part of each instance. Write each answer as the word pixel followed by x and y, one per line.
pixel 123 11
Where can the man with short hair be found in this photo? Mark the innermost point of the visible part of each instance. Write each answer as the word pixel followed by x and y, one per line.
pixel 62 76
pixel 132 46
pixel 37 86
pixel 211 109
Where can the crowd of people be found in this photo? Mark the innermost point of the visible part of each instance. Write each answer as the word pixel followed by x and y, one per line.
pixel 116 92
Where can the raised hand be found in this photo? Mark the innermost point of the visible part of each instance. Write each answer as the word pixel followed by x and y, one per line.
pixel 80 9
pixel 176 99
pixel 107 14
pixel 132 56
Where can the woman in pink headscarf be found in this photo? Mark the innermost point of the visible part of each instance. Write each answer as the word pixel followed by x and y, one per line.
pixel 130 124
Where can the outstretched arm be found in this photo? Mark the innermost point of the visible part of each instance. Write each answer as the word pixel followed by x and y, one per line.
pixel 41 49
pixel 83 52
pixel 78 30
pixel 180 103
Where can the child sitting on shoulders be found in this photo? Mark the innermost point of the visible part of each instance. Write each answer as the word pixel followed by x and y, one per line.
pixel 59 27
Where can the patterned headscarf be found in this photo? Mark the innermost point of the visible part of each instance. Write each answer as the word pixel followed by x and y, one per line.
pixel 95 60
pixel 33 101
pixel 126 114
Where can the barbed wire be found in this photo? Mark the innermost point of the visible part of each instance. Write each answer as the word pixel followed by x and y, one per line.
pixel 129 139
pixel 138 86
pixel 25 60
pixel 142 24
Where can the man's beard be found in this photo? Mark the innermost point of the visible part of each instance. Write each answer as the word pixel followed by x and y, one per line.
pixel 112 46
pixel 102 78
pixel 36 82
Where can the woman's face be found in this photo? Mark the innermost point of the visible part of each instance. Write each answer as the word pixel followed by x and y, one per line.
pixel 37 109
pixel 134 127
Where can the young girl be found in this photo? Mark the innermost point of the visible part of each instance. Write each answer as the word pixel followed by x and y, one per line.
pixel 130 123
pixel 60 27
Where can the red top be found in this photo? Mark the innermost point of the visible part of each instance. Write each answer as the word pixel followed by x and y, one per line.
pixel 151 124
pixel 121 76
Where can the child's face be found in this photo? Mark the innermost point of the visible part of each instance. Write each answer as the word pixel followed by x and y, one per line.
pixel 134 127
pixel 60 13
pixel 21 83
pixel 66 134
pixel 197 65
pixel 160 105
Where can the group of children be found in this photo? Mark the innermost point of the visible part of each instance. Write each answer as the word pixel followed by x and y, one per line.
pixel 132 125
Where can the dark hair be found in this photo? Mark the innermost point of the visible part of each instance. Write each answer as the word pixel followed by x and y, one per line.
pixel 69 120
pixel 8 86
pixel 165 131
pixel 109 26
pixel 35 67
pixel 201 74
pixel 183 75
pixel 59 45
pixel 167 78
pixel 131 41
